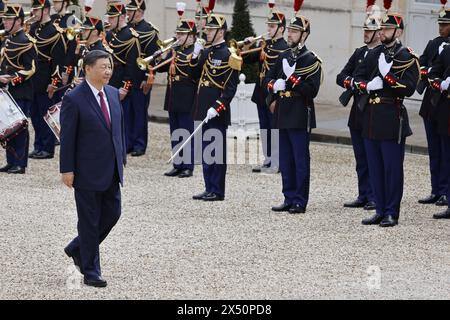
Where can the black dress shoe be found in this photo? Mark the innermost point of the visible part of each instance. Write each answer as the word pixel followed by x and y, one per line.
pixel 185 174
pixel 76 259
pixel 173 173
pixel 258 169
pixel 137 153
pixel 442 202
pixel 442 215
pixel 355 204
pixel 33 153
pixel 430 199
pixel 388 221
pixel 297 209
pixel 6 168
pixel 97 283
pixel 200 196
pixel 16 170
pixel 211 197
pixel 43 155
pixel 282 208
pixel 371 205
pixel 375 219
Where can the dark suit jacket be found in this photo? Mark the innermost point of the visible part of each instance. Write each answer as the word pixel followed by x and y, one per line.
pixel 89 149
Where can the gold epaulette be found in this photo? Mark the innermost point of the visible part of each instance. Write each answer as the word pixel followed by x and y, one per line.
pixel 411 50
pixel 107 47
pixel 31 38
pixel 134 33
pixel 153 26
pixel 58 28
pixel 235 61
pixel 109 50
pixel 318 58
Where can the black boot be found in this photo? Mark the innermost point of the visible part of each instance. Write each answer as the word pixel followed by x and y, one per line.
pixel 430 199
pixel 371 205
pixel 297 209
pixel 388 222
pixel 355 204
pixel 173 173
pixel 442 202
pixel 282 208
pixel 185 173
pixel 442 215
pixel 6 168
pixel 375 219
pixel 16 170
pixel 200 196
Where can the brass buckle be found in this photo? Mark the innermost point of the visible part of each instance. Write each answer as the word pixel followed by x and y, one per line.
pixel 377 100
pixel 286 94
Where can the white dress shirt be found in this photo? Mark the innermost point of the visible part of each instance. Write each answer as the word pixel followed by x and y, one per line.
pixel 96 95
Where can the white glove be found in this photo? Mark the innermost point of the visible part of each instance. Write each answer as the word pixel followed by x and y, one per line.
pixel 212 113
pixel 198 47
pixel 383 66
pixel 279 85
pixel 445 84
pixel 442 46
pixel 375 84
pixel 288 70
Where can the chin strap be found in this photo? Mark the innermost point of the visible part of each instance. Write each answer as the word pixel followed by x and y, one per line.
pixel 215 36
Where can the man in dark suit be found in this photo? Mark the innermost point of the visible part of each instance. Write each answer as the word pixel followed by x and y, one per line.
pixel 92 158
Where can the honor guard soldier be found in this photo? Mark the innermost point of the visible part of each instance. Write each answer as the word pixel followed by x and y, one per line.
pixel 438 166
pixel 439 77
pixel 201 17
pixel 51 54
pixel 266 58
pixel 67 23
pixel 345 79
pixel 91 39
pixel 295 81
pixel 180 95
pixel 141 92
pixel 390 73
pixel 17 65
pixel 124 42
pixel 217 69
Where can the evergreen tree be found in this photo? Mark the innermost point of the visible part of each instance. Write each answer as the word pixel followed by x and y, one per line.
pixel 242 28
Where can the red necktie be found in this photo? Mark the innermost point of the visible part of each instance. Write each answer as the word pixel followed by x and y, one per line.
pixel 104 109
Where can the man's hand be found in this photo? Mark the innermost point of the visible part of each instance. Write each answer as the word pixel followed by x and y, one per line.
pixel 198 47
pixel 375 84
pixel 65 78
pixel 5 79
pixel 272 107
pixel 67 179
pixel 248 43
pixel 123 93
pixel 145 87
pixel 445 84
pixel 279 85
pixel 383 66
pixel 51 91
pixel 288 69
pixel 212 113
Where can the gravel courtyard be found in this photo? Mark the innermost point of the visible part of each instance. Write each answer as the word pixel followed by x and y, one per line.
pixel 166 246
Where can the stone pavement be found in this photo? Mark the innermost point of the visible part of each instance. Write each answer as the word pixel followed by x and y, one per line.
pixel 168 246
pixel 331 126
